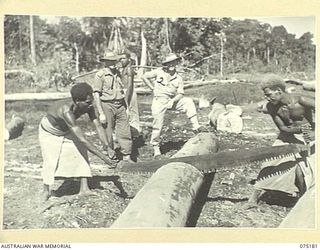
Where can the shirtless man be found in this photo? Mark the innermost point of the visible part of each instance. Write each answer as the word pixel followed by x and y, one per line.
pixel 127 76
pixel 63 144
pixel 292 114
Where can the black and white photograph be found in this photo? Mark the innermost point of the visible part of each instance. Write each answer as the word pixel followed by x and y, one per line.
pixel 117 122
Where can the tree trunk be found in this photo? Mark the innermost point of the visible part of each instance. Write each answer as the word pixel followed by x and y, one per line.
pixel 232 65
pixel 32 42
pixel 275 56
pixel 167 34
pixel 167 198
pixel 268 55
pixel 116 41
pixel 77 57
pixel 143 59
pixel 20 42
pixel 221 56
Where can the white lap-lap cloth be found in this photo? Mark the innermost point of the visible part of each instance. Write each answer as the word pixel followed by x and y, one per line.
pixel 281 175
pixel 63 156
pixel 133 112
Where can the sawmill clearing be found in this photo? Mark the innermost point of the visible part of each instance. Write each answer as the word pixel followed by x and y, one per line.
pixel 113 189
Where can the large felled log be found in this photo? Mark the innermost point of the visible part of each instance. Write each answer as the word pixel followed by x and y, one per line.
pixel 311 85
pixel 302 215
pixel 36 96
pixel 166 199
pixel 19 71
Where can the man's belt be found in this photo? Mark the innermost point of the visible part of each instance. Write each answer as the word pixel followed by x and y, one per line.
pixel 115 101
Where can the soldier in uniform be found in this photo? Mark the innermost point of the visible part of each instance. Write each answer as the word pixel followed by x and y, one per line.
pixel 111 106
pixel 168 94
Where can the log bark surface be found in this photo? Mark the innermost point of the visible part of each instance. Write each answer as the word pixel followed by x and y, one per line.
pixel 166 199
pixel 302 215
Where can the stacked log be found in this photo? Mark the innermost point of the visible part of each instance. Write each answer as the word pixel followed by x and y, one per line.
pixel 311 86
pixel 14 128
pixel 167 198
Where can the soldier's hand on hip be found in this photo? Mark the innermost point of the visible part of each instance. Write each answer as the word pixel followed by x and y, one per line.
pixel 170 104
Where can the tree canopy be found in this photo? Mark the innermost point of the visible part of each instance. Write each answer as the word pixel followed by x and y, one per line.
pixel 73 44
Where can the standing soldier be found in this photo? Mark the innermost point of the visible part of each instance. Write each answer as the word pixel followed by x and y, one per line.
pixel 168 94
pixel 111 105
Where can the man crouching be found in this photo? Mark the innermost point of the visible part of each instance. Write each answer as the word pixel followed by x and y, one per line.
pixel 293 116
pixel 63 144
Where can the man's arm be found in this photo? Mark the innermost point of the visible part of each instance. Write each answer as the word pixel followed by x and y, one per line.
pixel 307 102
pixel 146 77
pixel 69 118
pixel 101 133
pixel 180 92
pixel 97 101
pixel 309 105
pixel 97 88
pixel 177 98
pixel 284 128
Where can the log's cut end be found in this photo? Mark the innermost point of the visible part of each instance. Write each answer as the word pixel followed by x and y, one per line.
pixel 203 143
pixel 165 200
pixel 302 215
pixel 311 85
pixel 14 128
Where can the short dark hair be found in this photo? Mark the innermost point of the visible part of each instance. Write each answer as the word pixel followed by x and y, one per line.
pixel 273 82
pixel 80 91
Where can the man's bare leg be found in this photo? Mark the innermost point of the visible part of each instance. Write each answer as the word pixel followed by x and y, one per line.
pixel 253 200
pixel 84 188
pixel 45 193
pixel 299 181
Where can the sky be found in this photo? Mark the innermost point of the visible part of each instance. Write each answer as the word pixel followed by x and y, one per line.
pixel 294 25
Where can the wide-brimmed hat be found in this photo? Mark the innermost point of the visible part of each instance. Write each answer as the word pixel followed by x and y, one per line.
pixel 170 58
pixel 109 56
pixel 128 55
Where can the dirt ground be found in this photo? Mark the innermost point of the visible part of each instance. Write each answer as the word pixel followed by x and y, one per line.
pixel 22 183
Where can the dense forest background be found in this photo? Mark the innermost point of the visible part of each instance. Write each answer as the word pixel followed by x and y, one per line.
pixel 41 52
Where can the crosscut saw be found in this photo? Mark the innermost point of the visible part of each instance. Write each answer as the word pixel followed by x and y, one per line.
pixel 209 163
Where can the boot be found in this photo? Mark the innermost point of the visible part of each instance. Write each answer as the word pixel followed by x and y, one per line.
pixel 156 151
pixel 127 158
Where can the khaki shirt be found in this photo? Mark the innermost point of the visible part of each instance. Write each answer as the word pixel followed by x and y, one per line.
pixel 109 85
pixel 166 85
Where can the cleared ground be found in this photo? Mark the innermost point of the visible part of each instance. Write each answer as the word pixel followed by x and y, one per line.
pixel 22 183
